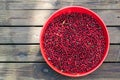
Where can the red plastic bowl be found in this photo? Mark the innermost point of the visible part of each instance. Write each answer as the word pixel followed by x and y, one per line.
pixel 70 9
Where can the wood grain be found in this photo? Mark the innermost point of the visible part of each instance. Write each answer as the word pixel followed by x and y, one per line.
pixel 20 53
pixel 31 34
pixel 39 17
pixel 19 34
pixel 32 53
pixel 56 4
pixel 41 71
pixel 4 17
pixel 2 6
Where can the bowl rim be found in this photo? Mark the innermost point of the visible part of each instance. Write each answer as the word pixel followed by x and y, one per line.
pixel 106 35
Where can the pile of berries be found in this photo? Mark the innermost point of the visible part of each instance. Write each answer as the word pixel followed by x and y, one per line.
pixel 74 42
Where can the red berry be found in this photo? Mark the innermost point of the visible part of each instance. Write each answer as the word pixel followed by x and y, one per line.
pixel 74 42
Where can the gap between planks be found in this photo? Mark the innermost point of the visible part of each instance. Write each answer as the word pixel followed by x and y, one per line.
pixel 19 62
pixel 42 26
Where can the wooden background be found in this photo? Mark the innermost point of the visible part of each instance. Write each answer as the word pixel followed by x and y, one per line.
pixel 20 25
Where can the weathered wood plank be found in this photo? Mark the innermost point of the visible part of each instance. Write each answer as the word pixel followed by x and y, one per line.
pixel 114 33
pixel 20 53
pixel 56 4
pixel 32 53
pixel 19 34
pixel 8 0
pixel 38 17
pixel 31 34
pixel 41 71
pixel 3 17
pixel 2 6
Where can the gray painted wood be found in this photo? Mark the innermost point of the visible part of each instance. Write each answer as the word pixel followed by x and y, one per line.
pixel 39 17
pixel 20 53
pixel 32 34
pixel 4 17
pixel 56 4
pixel 41 71
pixel 19 34
pixel 33 53
pixel 2 6
pixel 114 33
